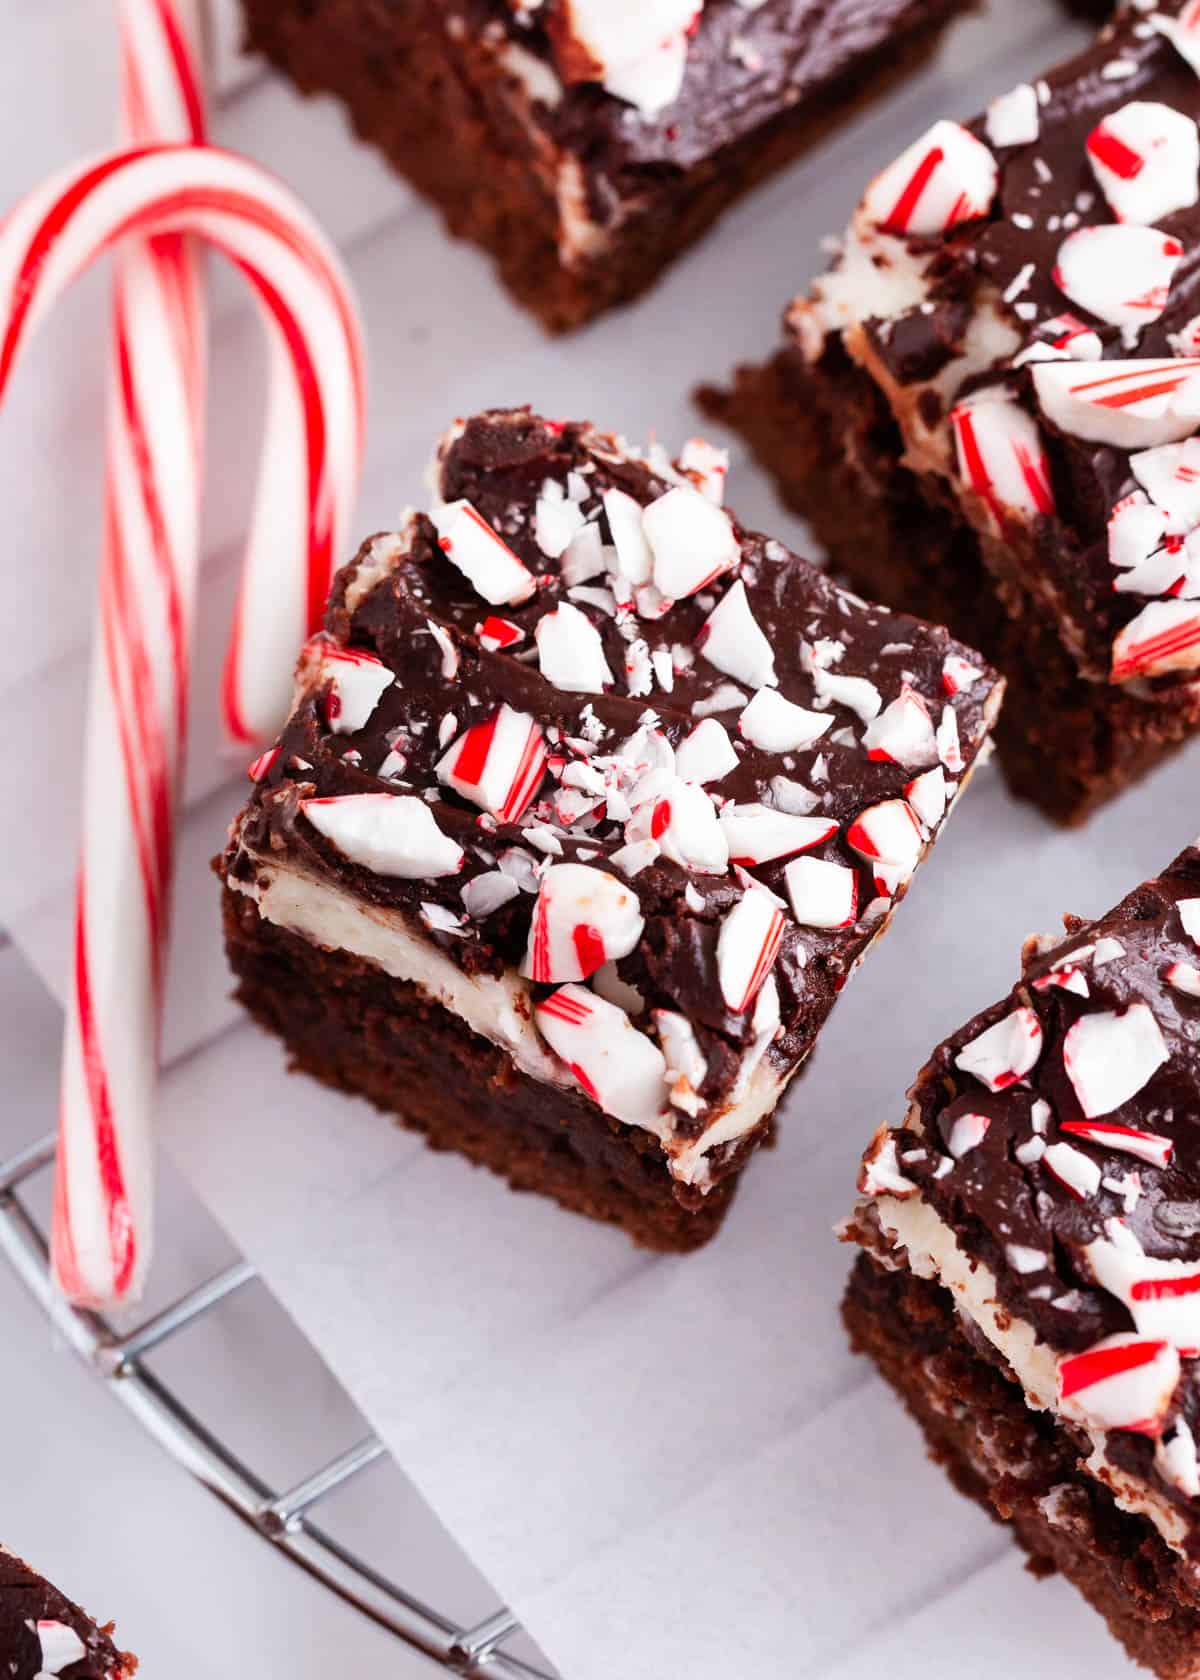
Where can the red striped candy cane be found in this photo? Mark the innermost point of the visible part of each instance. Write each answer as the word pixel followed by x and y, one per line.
pixel 104 1187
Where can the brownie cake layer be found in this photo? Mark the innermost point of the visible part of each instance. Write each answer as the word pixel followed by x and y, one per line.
pixel 988 405
pixel 42 1632
pixel 1021 1469
pixel 358 1030
pixel 625 789
pixel 501 116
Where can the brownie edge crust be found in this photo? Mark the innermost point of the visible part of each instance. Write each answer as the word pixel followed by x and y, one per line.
pixel 1022 1469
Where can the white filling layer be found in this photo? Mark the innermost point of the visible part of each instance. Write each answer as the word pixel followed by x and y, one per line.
pixel 498 1009
pixel 933 1251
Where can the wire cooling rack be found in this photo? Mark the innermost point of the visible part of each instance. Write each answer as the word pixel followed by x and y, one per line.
pixel 284 1518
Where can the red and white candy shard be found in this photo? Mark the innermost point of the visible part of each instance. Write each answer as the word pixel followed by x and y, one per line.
pixel 621 1069
pixel 967 1133
pixel 1151 1147
pixel 1170 476
pixel 731 639
pixel 497 634
pixel 1183 31
pixel 1077 1173
pixel 777 725
pixel 927 794
pixel 707 466
pixel 758 834
pixel 483 557
pixel 1073 337
pixel 1005 1051
pixel 945 178
pixel 583 918
pixel 570 651
pixel 707 754
pixel 1109 1057
pixel 881 1174
pixel 1129 404
pixel 261 767
pixel 1165 636
pixel 388 833
pixel 1136 528
pixel 1162 1296
pixel 888 835
pixel 635 559
pixel 684 823
pixel 747 946
pixel 902 733
pixel 1119 272
pixel 691 539
pixel 1185 977
pixel 60 1646
pixel 1146 157
pixel 357 681
pixel 1014 119
pixel 1123 1382
pixel 823 894
pixel 1002 458
pixel 497 765
pixel 958 674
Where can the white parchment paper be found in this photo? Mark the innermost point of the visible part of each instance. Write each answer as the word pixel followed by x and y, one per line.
pixel 666 1466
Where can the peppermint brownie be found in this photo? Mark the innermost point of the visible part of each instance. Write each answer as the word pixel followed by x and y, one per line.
pixel 987 407
pixel 590 803
pixel 586 143
pixel 1031 1277
pixel 43 1633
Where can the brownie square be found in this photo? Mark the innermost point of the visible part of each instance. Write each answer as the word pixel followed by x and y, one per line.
pixel 586 143
pixel 985 407
pixel 1030 1281
pixel 590 803
pixel 42 1632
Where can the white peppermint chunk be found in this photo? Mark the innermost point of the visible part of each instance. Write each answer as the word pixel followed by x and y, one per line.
pixel 1014 119
pixel 692 541
pixel 1130 404
pixel 571 652
pixel 637 49
pixel 635 560
pixel 823 894
pixel 777 725
pixel 684 822
pixel 482 556
pixel 1189 915
pixel 685 1059
pixel 732 640
pixel 1109 1057
pixel 1165 636
pixel 485 894
pixel 927 795
pixel 858 693
pixel 1004 1052
pixel 747 946
pixel 620 1068
pixel 707 754
pixel 1170 476
pixel 707 466
pixel 556 520
pixel 60 1646
pixel 390 834
pixel 1118 271
pixel 1176 1461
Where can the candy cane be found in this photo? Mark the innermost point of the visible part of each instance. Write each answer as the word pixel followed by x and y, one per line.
pixel 103 1193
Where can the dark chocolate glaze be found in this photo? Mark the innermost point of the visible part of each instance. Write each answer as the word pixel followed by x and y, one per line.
pixel 25 1600
pixel 744 67
pixel 500 462
pixel 1047 190
pixel 990 1199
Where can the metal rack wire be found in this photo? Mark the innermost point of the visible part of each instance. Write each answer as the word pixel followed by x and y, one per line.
pixel 284 1518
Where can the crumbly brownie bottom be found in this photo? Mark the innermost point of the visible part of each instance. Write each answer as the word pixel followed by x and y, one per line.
pixel 439 128
pixel 353 1027
pixel 1023 1468
pixel 827 438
